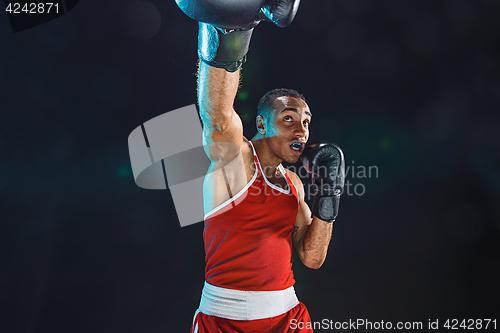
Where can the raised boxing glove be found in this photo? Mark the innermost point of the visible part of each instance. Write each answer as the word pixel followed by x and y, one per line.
pixel 326 163
pixel 224 14
pixel 226 26
pixel 280 12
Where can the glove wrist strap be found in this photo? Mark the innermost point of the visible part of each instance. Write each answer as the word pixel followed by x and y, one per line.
pixel 223 48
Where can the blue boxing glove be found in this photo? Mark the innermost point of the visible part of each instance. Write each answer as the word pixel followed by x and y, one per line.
pixel 326 163
pixel 226 26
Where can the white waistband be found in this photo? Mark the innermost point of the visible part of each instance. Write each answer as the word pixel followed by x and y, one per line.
pixel 246 305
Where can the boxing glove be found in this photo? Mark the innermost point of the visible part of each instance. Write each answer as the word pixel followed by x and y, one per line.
pixel 326 163
pixel 222 48
pixel 226 26
pixel 280 12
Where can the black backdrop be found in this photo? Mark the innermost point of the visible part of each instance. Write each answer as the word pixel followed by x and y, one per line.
pixel 411 87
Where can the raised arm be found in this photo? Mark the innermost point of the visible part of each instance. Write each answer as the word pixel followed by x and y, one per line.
pixel 221 53
pixel 216 92
pixel 225 29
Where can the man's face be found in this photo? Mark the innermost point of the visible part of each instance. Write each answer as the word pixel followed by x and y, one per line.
pixel 288 131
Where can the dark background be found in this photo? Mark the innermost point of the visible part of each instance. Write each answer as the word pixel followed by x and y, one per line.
pixel 411 87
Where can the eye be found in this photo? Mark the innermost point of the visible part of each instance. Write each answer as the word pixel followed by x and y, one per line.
pixel 307 123
pixel 287 118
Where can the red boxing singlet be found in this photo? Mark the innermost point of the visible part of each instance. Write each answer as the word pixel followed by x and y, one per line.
pixel 248 239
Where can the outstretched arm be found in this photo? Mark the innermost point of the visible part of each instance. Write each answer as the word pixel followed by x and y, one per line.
pixel 225 30
pixel 216 92
pixel 221 55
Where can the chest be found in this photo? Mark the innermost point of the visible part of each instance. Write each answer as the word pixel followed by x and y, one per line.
pixel 275 179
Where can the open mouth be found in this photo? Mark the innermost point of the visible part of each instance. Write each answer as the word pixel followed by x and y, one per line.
pixel 297 146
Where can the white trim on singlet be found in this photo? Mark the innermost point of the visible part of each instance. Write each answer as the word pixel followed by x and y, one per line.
pixel 290 183
pixel 282 170
pixel 246 305
pixel 230 200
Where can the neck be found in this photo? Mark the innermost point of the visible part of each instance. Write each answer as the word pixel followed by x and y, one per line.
pixel 268 161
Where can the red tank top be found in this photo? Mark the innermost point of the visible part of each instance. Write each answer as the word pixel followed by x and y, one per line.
pixel 248 239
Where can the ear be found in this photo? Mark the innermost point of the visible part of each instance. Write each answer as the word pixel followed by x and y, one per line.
pixel 261 124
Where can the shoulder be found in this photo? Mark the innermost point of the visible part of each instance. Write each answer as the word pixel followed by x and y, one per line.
pixel 247 153
pixel 246 142
pixel 293 176
pixel 246 148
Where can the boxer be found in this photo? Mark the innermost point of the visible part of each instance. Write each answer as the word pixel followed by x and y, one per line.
pixel 254 207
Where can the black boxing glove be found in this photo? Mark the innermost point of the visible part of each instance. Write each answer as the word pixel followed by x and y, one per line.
pixel 326 163
pixel 280 12
pixel 226 26
pixel 222 48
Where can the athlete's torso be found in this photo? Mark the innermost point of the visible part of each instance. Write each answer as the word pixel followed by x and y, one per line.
pixel 248 238
pixel 225 179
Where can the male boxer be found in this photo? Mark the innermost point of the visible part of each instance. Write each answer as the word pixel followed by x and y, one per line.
pixel 254 208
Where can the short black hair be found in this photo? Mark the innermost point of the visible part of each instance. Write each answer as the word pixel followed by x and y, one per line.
pixel 265 102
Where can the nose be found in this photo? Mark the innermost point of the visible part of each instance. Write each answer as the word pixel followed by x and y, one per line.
pixel 301 130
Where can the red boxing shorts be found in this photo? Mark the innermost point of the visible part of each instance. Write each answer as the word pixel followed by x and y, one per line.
pixel 288 322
